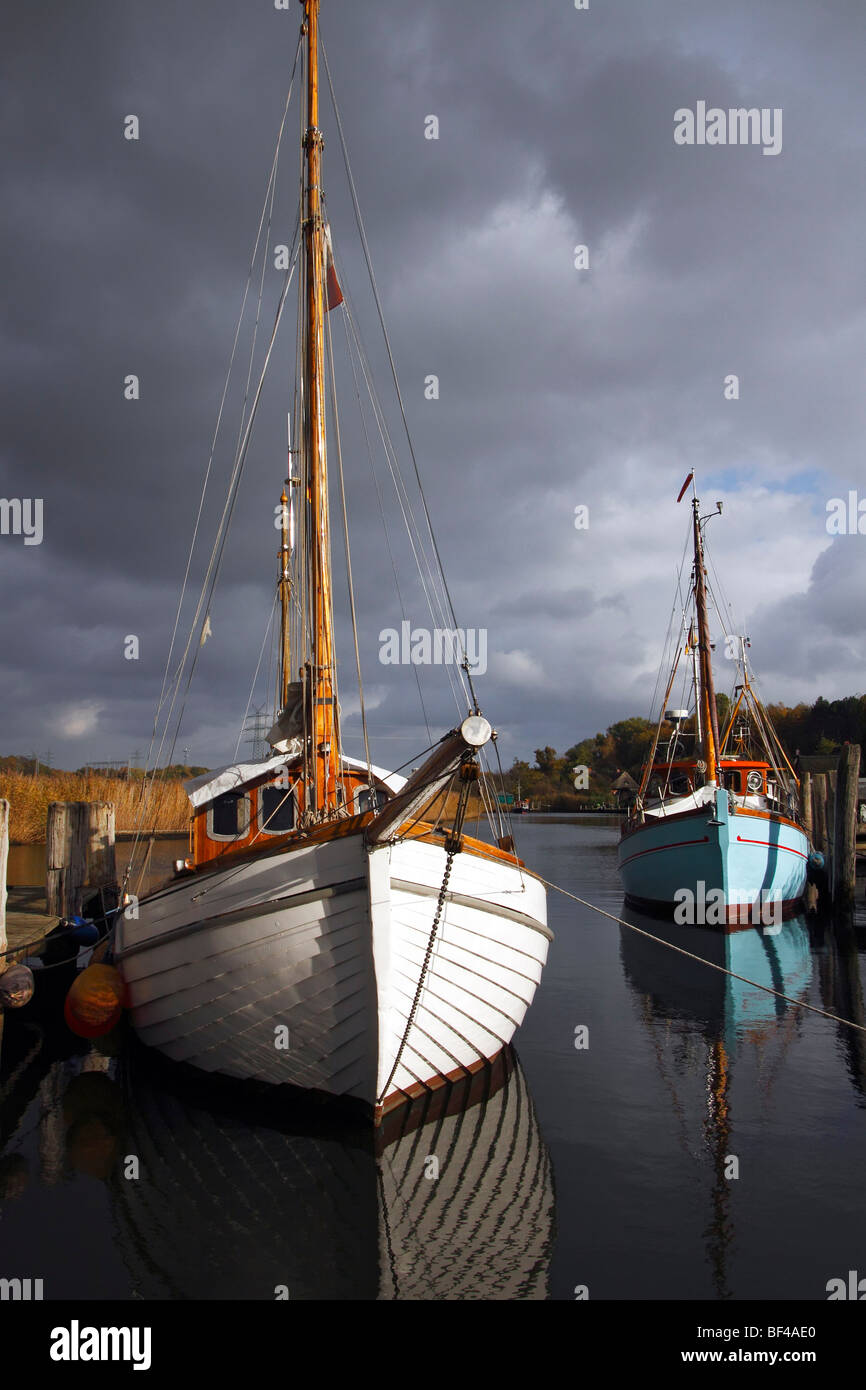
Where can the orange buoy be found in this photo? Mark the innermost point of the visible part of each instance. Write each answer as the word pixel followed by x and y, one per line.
pixel 94 1003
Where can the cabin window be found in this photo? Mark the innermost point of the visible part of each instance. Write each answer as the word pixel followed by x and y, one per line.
pixel 276 810
pixel 228 817
pixel 370 799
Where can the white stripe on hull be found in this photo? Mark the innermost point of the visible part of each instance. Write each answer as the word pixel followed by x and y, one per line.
pixel 329 940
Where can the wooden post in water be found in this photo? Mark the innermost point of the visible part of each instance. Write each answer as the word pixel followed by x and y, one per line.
pixel 831 827
pixel 4 859
pixel 845 830
pixel 806 804
pixel 66 857
pixel 819 817
pixel 101 869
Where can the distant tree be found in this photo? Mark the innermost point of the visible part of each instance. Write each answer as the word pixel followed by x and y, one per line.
pixel 546 761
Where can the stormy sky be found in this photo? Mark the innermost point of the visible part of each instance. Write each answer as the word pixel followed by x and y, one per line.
pixel 559 387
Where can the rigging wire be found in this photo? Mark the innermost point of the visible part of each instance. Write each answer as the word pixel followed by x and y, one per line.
pixel 375 478
pixel 367 257
pixel 204 604
pixel 256 676
pixel 723 970
pixel 267 209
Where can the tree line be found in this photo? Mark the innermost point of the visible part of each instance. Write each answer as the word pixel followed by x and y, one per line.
pixel 820 728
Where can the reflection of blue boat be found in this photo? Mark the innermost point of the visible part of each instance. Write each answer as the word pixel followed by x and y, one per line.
pixel 682 1000
pixel 778 958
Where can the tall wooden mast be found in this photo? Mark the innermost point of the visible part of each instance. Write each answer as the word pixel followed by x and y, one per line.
pixel 710 721
pixel 325 761
pixel 285 596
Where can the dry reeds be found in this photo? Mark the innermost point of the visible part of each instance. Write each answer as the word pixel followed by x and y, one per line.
pixel 29 799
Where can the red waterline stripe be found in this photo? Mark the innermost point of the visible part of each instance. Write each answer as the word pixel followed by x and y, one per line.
pixel 766 845
pixel 679 845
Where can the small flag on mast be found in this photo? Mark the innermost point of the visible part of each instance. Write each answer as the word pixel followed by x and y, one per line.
pixel 334 295
pixel 685 485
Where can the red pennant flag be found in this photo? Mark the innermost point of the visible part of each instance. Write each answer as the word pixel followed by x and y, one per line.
pixel 685 485
pixel 333 295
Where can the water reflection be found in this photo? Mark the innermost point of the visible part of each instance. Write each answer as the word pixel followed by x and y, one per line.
pixel 232 1203
pixel 217 1194
pixel 839 956
pixel 698 1018
pixel 734 1010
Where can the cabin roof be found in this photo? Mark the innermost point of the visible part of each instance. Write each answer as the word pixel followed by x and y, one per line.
pixel 235 776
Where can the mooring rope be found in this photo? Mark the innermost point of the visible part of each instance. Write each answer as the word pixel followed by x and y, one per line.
pixel 797 1003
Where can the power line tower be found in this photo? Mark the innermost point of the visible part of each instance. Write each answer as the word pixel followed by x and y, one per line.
pixel 256 727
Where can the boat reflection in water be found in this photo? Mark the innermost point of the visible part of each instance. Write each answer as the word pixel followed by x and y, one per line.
pixel 448 1203
pixel 698 1019
pixel 777 957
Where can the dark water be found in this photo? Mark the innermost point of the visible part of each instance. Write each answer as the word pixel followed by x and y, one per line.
pixel 608 1166
pixel 26 866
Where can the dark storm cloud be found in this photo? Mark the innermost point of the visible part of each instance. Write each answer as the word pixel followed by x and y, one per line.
pixel 558 387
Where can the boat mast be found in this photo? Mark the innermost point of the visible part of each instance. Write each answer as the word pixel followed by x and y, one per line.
pixel 325 750
pixel 696 683
pixel 285 597
pixel 710 739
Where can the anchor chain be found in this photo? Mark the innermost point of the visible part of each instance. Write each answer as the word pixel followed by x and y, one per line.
pixel 453 846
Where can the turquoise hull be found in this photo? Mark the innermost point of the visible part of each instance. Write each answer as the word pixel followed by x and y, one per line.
pixel 716 865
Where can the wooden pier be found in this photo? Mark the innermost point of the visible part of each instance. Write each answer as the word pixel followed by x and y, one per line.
pixel 830 803
pixel 80 860
pixel 27 920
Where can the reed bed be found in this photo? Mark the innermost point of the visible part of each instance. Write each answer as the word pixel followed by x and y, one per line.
pixel 29 799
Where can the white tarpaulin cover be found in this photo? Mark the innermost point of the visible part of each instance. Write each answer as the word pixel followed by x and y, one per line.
pixel 210 785
pixel 229 779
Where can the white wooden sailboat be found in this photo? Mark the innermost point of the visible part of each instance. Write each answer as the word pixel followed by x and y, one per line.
pixel 323 934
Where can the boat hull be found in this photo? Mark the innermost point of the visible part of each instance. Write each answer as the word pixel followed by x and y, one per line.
pixel 740 867
pixel 300 967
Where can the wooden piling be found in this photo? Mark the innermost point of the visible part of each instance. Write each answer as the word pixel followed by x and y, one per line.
pixel 845 827
pixel 101 869
pixel 4 859
pixel 79 852
pixel 66 856
pixel 820 838
pixel 806 804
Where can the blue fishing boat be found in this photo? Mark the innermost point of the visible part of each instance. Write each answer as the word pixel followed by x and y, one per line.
pixel 715 836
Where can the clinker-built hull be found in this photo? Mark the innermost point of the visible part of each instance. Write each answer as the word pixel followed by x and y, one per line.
pixel 300 967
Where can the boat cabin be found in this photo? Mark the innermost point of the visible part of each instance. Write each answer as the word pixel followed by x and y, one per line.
pixel 234 813
pixel 741 776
